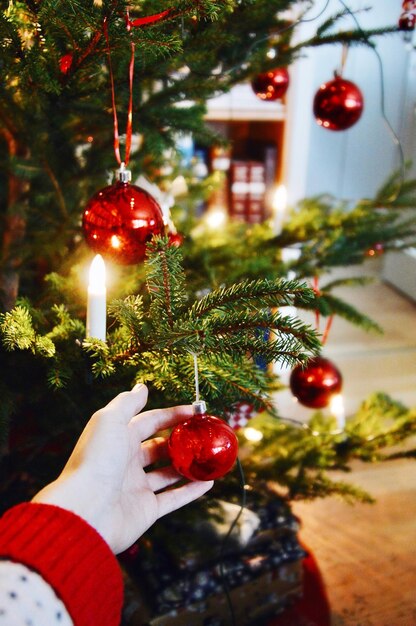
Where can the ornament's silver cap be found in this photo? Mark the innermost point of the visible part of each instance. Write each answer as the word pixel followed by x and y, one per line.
pixel 199 407
pixel 123 175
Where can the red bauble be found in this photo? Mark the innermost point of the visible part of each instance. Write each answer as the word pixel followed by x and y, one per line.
pixel 338 104
pixel 175 239
pixel 203 447
pixel 407 21
pixel 119 220
pixel 271 85
pixel 65 63
pixel 315 384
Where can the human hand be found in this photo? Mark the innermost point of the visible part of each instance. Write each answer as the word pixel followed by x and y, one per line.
pixel 104 480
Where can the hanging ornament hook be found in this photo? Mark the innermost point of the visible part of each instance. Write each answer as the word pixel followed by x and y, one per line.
pixel 129 124
pixel 344 55
pixel 199 405
pixel 123 174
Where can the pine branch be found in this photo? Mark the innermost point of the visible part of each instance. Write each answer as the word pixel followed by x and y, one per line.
pixel 17 333
pixel 274 293
pixel 165 281
pixel 129 313
pixel 250 324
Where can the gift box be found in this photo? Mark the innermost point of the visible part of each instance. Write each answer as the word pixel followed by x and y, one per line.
pixel 257 570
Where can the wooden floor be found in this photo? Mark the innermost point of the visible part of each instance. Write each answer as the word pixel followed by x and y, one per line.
pixel 367 553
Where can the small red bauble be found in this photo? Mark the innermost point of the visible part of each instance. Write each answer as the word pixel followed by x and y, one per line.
pixel 314 384
pixel 119 221
pixel 175 239
pixel 338 104
pixel 203 447
pixel 271 85
pixel 407 21
pixel 65 62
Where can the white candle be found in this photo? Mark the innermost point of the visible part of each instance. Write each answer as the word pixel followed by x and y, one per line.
pixel 279 207
pixel 97 295
pixel 337 409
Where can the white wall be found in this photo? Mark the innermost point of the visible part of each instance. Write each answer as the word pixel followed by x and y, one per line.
pixel 350 164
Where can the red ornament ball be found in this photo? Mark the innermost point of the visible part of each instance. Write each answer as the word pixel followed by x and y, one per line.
pixel 271 85
pixel 314 384
pixel 407 21
pixel 175 239
pixel 338 104
pixel 119 221
pixel 65 62
pixel 203 447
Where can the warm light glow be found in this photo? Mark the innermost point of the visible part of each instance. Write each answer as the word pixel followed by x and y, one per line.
pixel 252 434
pixel 280 198
pixel 115 242
pixel 216 217
pixel 279 206
pixel 337 409
pixel 271 54
pixel 97 275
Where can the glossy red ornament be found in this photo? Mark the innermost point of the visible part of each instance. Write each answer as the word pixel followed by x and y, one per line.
pixel 203 447
pixel 338 104
pixel 175 239
pixel 65 63
pixel 271 85
pixel 407 21
pixel 119 220
pixel 314 384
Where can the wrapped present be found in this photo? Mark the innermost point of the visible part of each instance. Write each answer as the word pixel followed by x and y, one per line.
pixel 259 566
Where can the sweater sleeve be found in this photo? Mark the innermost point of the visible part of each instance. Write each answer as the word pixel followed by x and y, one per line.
pixel 70 556
pixel 27 600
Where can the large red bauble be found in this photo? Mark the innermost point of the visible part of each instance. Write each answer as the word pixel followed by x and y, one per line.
pixel 271 85
pixel 203 447
pixel 315 384
pixel 119 220
pixel 338 104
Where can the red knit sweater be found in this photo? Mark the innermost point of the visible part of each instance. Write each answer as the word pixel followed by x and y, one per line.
pixel 70 556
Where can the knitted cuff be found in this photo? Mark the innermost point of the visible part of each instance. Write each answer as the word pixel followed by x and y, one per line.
pixel 70 555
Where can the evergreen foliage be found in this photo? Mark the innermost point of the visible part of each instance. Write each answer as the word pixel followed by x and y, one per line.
pixel 221 300
pixel 55 105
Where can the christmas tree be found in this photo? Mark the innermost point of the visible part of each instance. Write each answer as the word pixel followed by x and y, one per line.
pixel 216 298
